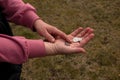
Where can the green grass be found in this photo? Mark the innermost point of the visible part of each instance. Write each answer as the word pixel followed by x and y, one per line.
pixel 102 61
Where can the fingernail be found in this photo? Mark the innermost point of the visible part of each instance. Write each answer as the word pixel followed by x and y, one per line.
pixel 53 40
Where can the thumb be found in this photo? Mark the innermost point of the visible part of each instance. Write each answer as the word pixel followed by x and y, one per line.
pixel 77 50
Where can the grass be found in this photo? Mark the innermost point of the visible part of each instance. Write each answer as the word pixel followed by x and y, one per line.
pixel 102 61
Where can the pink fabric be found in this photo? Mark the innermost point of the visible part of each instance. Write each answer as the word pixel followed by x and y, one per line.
pixel 18 12
pixel 17 50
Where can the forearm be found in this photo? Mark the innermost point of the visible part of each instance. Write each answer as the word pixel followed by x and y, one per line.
pixel 17 50
pixel 18 12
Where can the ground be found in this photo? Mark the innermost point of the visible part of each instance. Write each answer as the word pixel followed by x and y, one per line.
pixel 102 60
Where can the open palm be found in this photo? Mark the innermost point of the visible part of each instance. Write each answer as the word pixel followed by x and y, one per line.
pixel 74 47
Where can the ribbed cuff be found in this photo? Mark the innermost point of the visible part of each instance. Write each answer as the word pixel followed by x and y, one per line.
pixel 36 48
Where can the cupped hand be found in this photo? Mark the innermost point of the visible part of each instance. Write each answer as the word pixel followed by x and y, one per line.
pixel 86 35
pixel 49 31
pixel 62 47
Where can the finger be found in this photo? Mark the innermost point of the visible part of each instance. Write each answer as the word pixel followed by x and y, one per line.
pixel 88 33
pixel 49 37
pixel 43 32
pixel 86 40
pixel 77 31
pixel 83 32
pixel 77 50
pixel 62 35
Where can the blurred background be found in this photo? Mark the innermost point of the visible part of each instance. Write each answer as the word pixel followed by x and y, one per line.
pixel 102 60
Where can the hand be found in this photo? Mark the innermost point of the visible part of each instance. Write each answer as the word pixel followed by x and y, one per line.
pixel 86 35
pixel 48 31
pixel 59 46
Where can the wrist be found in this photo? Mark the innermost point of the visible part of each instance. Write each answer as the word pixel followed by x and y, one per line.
pixel 38 23
pixel 50 48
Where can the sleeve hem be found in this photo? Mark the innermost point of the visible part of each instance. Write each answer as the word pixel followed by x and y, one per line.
pixel 36 48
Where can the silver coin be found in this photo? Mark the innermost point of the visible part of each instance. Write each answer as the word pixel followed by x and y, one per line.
pixel 67 44
pixel 77 39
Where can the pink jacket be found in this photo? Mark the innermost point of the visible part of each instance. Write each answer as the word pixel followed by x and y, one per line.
pixel 16 49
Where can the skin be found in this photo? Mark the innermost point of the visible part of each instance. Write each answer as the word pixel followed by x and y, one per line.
pixel 49 31
pixel 59 47
pixel 56 39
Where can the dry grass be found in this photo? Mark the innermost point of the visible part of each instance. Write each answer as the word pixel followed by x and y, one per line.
pixel 102 61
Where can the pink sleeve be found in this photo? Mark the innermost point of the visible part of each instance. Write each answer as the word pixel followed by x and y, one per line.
pixel 18 12
pixel 17 50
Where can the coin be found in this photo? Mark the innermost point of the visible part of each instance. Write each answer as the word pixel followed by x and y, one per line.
pixel 67 44
pixel 77 39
